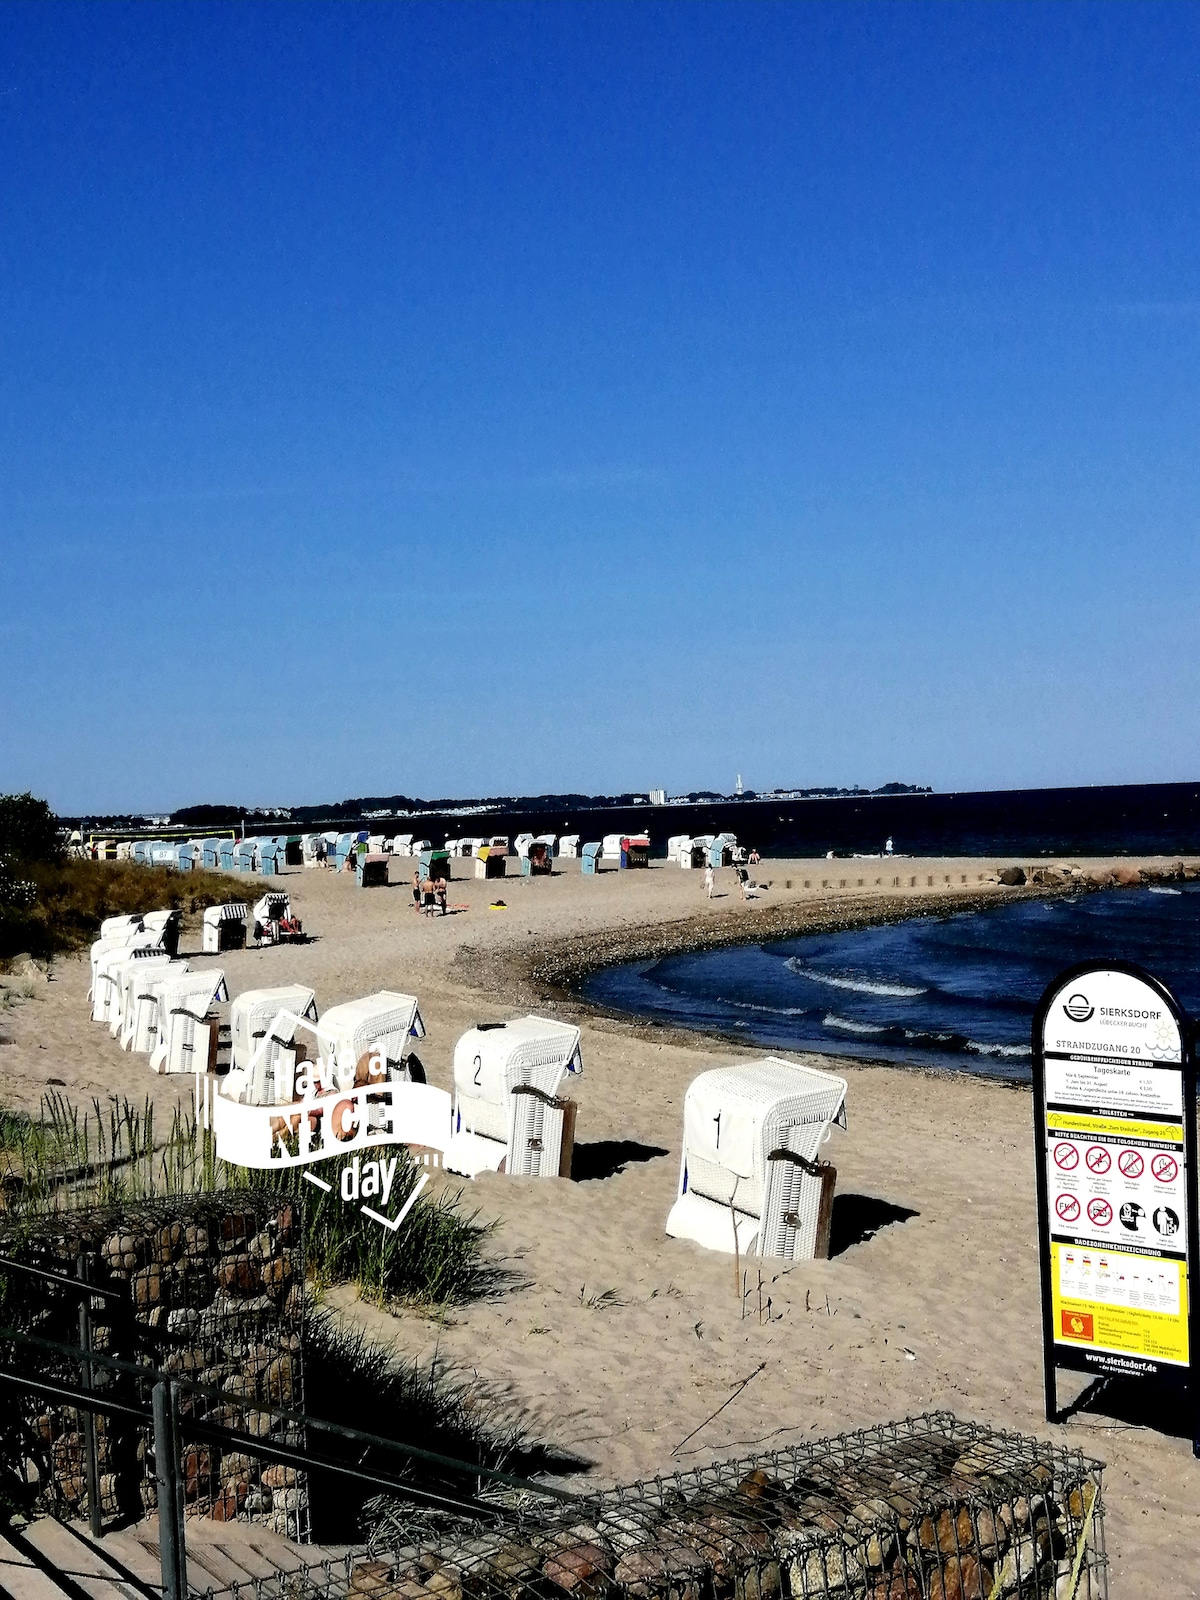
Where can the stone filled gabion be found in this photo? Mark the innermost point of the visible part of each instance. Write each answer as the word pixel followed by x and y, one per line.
pixel 213 1292
pixel 926 1509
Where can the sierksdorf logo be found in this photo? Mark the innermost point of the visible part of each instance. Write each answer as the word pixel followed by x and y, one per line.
pixel 1079 1008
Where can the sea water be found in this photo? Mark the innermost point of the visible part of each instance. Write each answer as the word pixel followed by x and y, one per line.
pixel 936 990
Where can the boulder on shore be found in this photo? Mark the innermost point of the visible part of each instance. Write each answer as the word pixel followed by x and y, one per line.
pixel 1013 877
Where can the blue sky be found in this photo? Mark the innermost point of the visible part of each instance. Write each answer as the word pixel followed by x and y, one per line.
pixel 461 399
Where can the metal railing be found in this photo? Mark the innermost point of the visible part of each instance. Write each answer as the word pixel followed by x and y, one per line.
pixel 164 1404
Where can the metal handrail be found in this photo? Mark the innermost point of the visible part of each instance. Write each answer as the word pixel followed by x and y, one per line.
pixel 303 1419
pixel 80 1285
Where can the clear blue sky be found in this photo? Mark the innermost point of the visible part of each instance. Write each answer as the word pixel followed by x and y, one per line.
pixel 452 399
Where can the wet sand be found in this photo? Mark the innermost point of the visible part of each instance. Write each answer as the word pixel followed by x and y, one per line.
pixel 618 1344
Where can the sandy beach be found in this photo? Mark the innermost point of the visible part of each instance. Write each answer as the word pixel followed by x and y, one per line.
pixel 624 1348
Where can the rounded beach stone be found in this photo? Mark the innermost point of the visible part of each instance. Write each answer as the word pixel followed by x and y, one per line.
pixel 961 1578
pixel 580 1569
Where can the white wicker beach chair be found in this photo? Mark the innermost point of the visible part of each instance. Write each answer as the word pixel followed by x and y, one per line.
pixel 165 926
pixel 107 959
pixel 135 1000
pixel 225 927
pixel 186 1029
pixel 252 1018
pixel 385 1023
pixel 749 1177
pixel 507 1114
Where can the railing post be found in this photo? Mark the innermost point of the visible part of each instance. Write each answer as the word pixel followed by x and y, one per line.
pixel 170 1491
pixel 91 1460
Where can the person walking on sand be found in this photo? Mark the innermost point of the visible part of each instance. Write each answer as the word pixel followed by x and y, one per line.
pixel 708 880
pixel 416 891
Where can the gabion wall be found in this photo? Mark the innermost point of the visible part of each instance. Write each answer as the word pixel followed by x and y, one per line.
pixel 212 1290
pixel 927 1509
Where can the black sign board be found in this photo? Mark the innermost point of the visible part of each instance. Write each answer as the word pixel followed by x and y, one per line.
pixel 1119 1235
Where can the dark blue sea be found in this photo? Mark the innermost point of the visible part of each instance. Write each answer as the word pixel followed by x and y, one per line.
pixel 948 991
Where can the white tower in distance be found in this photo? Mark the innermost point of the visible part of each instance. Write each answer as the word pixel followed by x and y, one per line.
pixel 738 786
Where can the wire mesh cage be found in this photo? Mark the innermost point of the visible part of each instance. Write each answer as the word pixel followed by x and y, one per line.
pixel 930 1508
pixel 208 1290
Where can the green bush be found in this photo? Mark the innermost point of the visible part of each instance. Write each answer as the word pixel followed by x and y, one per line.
pixel 29 830
pixel 72 898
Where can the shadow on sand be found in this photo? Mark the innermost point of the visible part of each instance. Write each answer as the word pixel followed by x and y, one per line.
pixel 859 1217
pixel 1134 1403
pixel 604 1158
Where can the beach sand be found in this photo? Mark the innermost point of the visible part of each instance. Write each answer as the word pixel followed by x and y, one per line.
pixel 626 1349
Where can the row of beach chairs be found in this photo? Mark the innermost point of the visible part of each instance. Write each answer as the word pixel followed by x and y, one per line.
pixel 751 1180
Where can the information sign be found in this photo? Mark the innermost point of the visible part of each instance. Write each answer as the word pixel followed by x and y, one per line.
pixel 1115 1111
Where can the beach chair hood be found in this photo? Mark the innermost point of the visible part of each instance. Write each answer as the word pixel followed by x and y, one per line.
pixel 387 1022
pixel 741 1127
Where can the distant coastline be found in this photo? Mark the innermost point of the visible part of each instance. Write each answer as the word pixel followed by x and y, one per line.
pixel 1111 821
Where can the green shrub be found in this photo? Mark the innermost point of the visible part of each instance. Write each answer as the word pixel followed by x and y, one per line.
pixel 72 898
pixel 29 830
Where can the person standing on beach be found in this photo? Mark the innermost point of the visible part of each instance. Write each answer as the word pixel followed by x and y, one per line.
pixel 708 880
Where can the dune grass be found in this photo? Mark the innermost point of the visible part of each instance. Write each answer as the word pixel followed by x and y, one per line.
pixel 73 897
pixel 117 1153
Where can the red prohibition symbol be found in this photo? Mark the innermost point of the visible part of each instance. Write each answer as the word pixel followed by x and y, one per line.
pixel 1067 1207
pixel 1131 1163
pixel 1100 1213
pixel 1098 1159
pixel 1164 1168
pixel 1066 1156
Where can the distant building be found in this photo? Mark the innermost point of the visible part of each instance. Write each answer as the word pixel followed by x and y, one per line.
pixel 658 797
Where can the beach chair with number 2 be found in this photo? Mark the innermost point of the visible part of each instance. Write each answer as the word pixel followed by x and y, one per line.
pixel 507 1114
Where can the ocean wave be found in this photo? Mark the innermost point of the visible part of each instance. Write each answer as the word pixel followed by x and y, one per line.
pixel 1156 890
pixel 771 1011
pixel 1014 1050
pixel 830 1021
pixel 897 991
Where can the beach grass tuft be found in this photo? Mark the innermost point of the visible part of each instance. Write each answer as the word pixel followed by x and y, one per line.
pixel 116 1152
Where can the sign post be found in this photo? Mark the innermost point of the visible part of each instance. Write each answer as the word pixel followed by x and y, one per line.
pixel 1119 1235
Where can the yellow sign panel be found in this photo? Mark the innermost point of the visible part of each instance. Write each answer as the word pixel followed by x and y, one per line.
pixel 1143 1310
pixel 1113 1127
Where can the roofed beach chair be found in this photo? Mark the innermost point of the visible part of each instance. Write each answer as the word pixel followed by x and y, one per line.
pixel 108 950
pixel 507 1114
pixel 225 927
pixel 383 1024
pixel 492 860
pixel 749 1179
pixel 228 847
pixel 568 845
pixel 110 964
pixel 720 850
pixel 133 979
pixel 186 1032
pixel 266 1077
pixel 590 855
pixel 537 860
pixel 165 925
pixel 272 919
pixel 635 850
pixel 372 871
